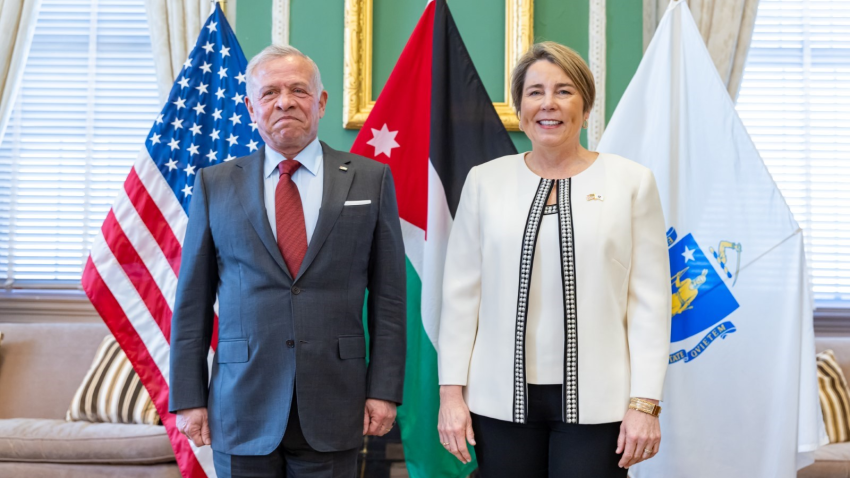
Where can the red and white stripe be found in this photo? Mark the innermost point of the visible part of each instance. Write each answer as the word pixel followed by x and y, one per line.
pixel 131 279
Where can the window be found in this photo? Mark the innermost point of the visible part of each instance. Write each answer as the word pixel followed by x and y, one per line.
pixel 87 100
pixel 795 102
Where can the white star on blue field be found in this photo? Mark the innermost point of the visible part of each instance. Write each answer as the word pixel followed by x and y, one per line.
pixel 205 120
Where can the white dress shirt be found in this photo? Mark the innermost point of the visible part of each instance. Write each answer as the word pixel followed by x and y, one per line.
pixel 308 178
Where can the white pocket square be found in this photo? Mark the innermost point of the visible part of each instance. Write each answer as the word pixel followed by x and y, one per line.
pixel 357 203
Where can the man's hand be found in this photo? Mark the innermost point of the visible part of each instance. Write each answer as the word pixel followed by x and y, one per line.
pixel 379 417
pixel 193 423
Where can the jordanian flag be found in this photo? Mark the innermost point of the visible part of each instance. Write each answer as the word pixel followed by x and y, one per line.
pixel 431 124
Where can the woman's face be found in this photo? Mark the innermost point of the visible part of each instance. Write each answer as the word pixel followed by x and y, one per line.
pixel 552 110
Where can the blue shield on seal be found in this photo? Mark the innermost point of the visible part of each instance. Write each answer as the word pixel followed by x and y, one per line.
pixel 700 298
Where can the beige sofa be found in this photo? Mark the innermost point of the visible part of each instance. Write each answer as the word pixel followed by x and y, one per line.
pixel 833 460
pixel 41 366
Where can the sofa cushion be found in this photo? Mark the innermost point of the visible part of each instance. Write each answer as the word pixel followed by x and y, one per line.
pixel 60 470
pixel 834 397
pixel 833 452
pixel 111 391
pixel 42 364
pixel 58 441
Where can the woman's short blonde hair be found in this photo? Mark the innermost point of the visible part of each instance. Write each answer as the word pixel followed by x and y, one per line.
pixel 565 58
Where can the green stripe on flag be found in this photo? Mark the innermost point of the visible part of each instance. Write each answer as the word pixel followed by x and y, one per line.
pixel 417 417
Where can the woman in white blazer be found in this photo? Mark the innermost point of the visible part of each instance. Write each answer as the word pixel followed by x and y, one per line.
pixel 555 325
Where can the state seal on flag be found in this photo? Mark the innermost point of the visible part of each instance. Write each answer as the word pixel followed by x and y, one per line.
pixel 700 298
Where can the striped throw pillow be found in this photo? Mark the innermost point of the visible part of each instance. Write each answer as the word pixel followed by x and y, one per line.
pixel 111 391
pixel 834 397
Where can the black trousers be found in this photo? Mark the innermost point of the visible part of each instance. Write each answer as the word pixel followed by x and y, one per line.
pixel 545 446
pixel 293 458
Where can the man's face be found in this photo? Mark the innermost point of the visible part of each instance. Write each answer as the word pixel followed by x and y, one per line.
pixel 285 104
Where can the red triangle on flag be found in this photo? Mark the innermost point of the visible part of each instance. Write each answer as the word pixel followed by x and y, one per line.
pixel 397 131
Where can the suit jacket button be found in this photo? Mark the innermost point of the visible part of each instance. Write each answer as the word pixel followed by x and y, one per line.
pixel 290 343
pixel 296 290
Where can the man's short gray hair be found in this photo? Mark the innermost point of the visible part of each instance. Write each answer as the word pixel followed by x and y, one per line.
pixel 273 52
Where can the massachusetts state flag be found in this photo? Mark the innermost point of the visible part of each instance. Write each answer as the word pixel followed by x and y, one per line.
pixel 131 274
pixel 741 394
pixel 432 123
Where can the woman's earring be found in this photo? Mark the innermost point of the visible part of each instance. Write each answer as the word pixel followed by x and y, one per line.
pixel 584 125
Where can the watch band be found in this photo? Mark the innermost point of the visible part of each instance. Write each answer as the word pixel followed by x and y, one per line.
pixel 645 406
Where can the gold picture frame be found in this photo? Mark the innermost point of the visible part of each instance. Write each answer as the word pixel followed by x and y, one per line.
pixel 357 72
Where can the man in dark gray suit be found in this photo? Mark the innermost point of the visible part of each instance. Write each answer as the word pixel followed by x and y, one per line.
pixel 289 238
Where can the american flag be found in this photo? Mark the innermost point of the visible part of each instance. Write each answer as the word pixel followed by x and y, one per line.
pixel 131 274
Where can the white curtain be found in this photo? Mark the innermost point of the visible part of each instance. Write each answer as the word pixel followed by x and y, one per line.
pixel 17 25
pixel 174 26
pixel 726 27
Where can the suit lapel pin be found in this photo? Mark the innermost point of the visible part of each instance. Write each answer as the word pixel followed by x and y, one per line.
pixel 595 197
pixel 343 168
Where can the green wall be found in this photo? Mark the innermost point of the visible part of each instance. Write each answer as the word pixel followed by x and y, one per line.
pixel 316 28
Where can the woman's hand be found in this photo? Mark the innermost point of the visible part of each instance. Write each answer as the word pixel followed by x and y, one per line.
pixel 455 425
pixel 640 436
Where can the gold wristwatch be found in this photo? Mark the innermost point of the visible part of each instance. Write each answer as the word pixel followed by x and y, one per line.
pixel 645 406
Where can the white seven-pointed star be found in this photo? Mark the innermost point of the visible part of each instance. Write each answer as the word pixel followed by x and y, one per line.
pixel 233 139
pixel 202 88
pixel 222 72
pixel 177 123
pixel 688 254
pixel 159 119
pixel 241 78
pixel 199 108
pixel 252 145
pixel 235 119
pixel 180 103
pixel 184 82
pixel 383 140
pixel 212 155
pixel 214 134
pixel 187 63
pixel 225 51
pixel 217 114
pixel 237 99
pixel 190 170
pixel 211 26
pixel 155 139
pixel 208 47
pixel 196 129
pixel 193 149
pixel 172 164
pixel 174 144
pixel 206 67
pixel 220 93
pixel 253 126
pixel 187 190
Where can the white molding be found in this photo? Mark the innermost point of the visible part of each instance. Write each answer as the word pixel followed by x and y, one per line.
pixel 280 22
pixel 597 31
pixel 34 305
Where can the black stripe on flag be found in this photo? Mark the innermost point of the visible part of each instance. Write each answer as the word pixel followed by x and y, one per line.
pixel 465 128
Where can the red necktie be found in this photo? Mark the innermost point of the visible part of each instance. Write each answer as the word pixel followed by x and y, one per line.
pixel 289 215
